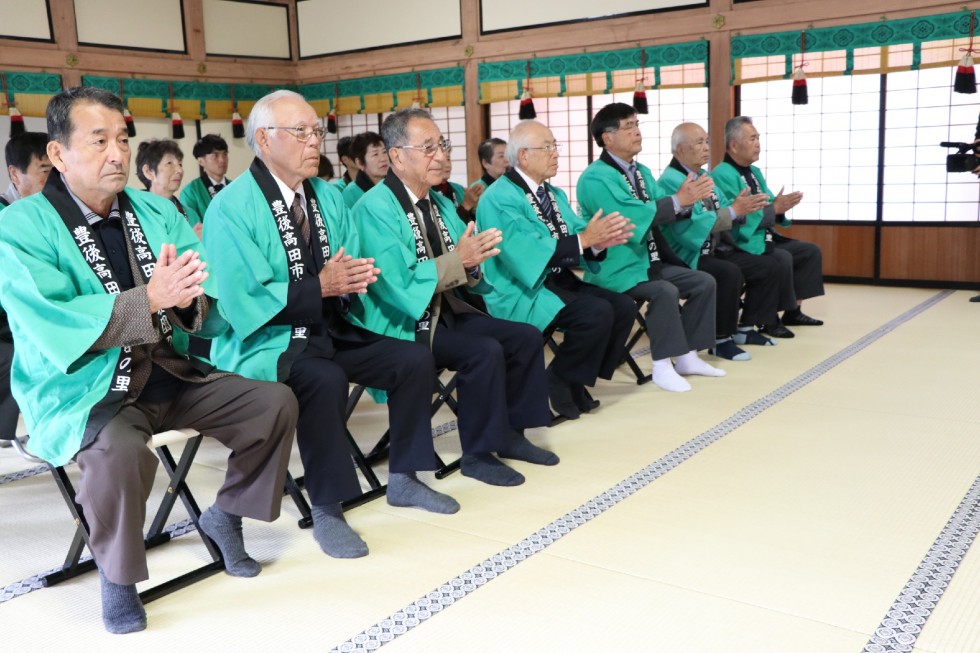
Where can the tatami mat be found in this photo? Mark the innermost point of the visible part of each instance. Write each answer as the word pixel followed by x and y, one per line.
pixel 794 532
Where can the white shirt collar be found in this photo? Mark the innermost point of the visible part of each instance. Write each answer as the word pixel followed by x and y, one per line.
pixel 288 193
pixel 530 182
pixel 216 181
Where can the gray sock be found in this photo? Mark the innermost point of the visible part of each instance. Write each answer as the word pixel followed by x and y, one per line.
pixel 122 609
pixel 334 535
pixel 484 467
pixel 522 449
pixel 407 491
pixel 226 531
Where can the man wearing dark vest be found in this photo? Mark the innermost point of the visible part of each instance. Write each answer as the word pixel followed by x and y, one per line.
pixel 533 278
pixel 211 153
pixel 646 268
pixel 431 266
pixel 706 243
pixel 28 167
pixel 800 263
pixel 288 268
pixel 103 284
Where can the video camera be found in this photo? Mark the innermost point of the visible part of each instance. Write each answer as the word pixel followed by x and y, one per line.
pixel 965 159
pixel 961 161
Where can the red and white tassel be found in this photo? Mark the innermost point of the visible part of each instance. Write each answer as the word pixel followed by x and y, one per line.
pixel 800 94
pixel 332 122
pixel 640 103
pixel 237 127
pixel 527 112
pixel 130 125
pixel 178 125
pixel 16 122
pixel 966 78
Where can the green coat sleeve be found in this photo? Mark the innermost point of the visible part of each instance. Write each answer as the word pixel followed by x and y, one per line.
pixel 685 237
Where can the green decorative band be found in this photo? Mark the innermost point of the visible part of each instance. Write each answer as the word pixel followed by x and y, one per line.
pixel 851 37
pixel 607 62
pixel 361 87
pixel 32 83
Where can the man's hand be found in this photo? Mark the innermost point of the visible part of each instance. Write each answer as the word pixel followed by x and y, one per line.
pixel 784 203
pixel 475 249
pixel 472 196
pixel 694 189
pixel 603 232
pixel 176 280
pixel 345 275
pixel 746 203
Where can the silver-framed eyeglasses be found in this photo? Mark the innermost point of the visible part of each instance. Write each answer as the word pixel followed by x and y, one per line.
pixel 429 150
pixel 551 148
pixel 304 134
pixel 628 126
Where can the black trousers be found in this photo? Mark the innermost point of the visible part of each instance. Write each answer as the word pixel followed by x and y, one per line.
pixel 762 285
pixel 8 407
pixel 404 369
pixel 801 268
pixel 728 292
pixel 501 381
pixel 596 323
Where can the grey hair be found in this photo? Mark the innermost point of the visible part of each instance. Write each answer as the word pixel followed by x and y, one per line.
pixel 678 137
pixel 517 141
pixel 733 129
pixel 394 130
pixel 261 115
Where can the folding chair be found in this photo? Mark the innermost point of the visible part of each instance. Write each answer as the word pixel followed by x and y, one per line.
pixel 176 487
pixel 294 486
pixel 549 341
pixel 444 397
pixel 641 330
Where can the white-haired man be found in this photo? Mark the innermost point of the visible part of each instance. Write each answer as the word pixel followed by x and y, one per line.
pixel 289 275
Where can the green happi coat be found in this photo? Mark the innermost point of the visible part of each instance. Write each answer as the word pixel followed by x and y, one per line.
pixel 601 186
pixel 340 183
pixel 405 286
pixel 58 308
pixel 196 198
pixel 352 192
pixel 686 237
pixel 250 265
pixel 750 236
pixel 519 271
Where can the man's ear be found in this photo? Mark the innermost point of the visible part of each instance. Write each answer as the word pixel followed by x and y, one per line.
pixel 55 150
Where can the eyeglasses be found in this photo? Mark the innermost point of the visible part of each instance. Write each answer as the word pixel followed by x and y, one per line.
pixel 629 126
pixel 548 149
pixel 430 150
pixel 304 134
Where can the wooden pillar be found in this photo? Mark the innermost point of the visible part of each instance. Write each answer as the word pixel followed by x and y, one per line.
pixel 720 89
pixel 475 127
pixel 64 31
pixel 194 30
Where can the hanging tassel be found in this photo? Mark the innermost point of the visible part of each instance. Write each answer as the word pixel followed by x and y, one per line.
pixel 640 98
pixel 16 122
pixel 237 127
pixel 527 111
pixel 965 80
pixel 800 95
pixel 332 122
pixel 178 125
pixel 130 125
pixel 417 102
pixel 127 116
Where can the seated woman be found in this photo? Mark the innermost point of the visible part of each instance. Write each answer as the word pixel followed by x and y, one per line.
pixel 159 165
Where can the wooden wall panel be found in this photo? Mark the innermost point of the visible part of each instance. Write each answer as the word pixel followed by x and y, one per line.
pixel 848 250
pixel 931 253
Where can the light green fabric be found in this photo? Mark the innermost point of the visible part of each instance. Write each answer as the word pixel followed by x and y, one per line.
pixel 195 198
pixel 518 272
pixel 250 265
pixel 352 193
pixel 750 236
pixel 58 308
pixel 686 237
pixel 405 286
pixel 601 186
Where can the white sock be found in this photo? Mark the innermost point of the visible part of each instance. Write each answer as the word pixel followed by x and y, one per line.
pixel 665 377
pixel 689 364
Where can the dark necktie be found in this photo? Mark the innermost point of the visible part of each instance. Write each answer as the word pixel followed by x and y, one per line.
pixel 547 210
pixel 299 217
pixel 435 241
